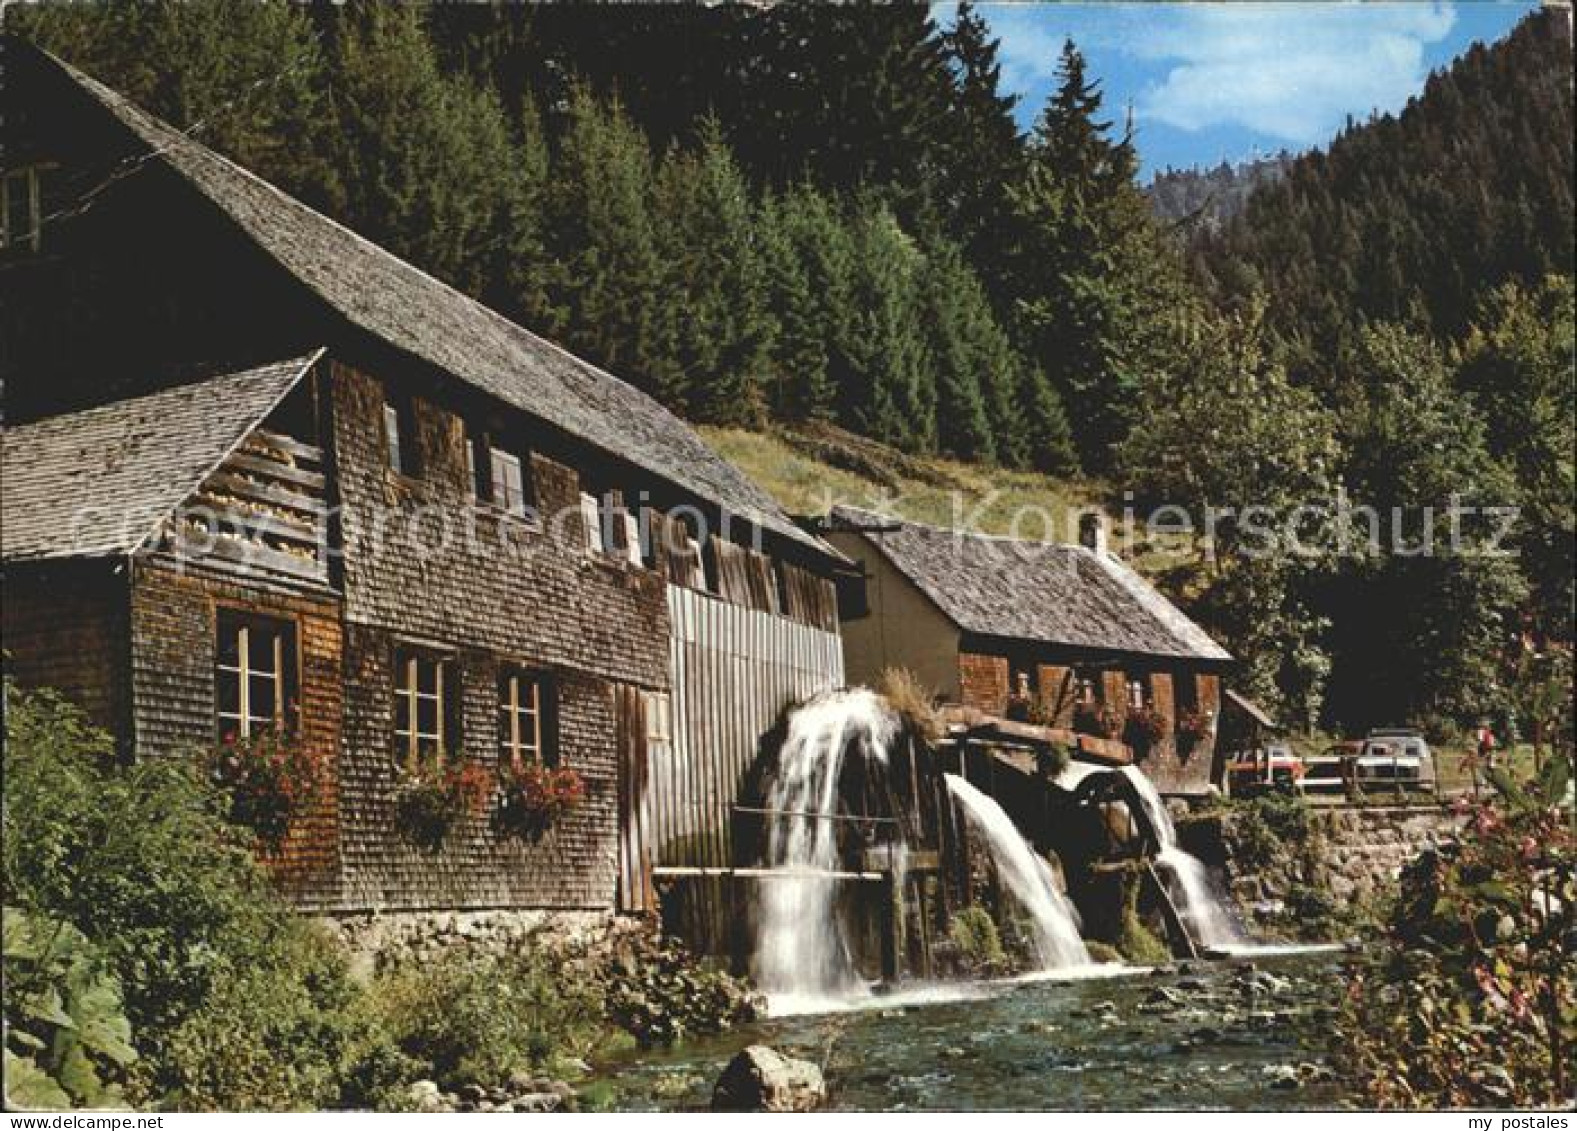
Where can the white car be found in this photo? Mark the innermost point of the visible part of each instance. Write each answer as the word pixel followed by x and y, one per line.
pixel 1395 758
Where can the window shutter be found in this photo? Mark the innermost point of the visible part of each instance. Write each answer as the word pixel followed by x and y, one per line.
pixel 591 514
pixel 632 538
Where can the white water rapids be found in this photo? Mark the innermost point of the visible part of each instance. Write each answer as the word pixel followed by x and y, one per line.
pixel 802 957
pixel 1204 914
pixel 1027 877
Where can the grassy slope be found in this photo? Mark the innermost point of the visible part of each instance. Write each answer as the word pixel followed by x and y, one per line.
pixel 809 473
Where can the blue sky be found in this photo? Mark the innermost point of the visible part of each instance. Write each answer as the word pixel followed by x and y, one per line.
pixel 1223 80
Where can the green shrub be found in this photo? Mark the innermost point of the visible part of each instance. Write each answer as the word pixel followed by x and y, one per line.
pixel 295 1032
pixel 659 993
pixel 476 1018
pixel 233 1002
pixel 67 1039
pixel 1473 1002
pixel 974 932
pixel 1136 942
pixel 1272 827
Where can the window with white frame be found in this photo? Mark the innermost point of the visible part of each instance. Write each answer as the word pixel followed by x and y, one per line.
pixel 473 463
pixel 254 673
pixel 424 697
pixel 1086 688
pixel 508 481
pixel 633 551
pixel 1136 693
pixel 21 209
pixel 523 724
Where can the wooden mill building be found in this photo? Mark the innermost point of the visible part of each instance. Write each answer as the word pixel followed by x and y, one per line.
pixel 984 621
pixel 258 469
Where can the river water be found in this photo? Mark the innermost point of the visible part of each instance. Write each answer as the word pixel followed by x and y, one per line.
pixel 1209 1035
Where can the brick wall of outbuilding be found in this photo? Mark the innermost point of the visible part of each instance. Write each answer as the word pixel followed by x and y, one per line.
pixel 983 681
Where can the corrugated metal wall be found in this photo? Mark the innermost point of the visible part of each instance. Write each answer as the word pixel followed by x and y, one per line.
pixel 733 671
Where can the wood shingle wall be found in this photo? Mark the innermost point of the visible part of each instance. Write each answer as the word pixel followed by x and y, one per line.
pixel 174 614
pixel 63 626
pixel 528 595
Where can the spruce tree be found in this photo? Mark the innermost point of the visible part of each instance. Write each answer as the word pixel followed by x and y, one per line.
pixel 1088 265
pixel 890 392
pixel 427 161
pixel 608 283
pixel 985 150
pixel 958 321
pixel 1048 439
pixel 250 80
pixel 714 282
pixel 799 384
pixel 824 243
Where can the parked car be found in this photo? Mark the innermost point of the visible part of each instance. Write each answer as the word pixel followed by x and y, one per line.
pixel 1331 769
pixel 1395 758
pixel 1271 767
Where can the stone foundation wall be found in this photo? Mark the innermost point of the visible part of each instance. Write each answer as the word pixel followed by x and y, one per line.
pixel 1367 848
pixel 1351 857
pixel 378 939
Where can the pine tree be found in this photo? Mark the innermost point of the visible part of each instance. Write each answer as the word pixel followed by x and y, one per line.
pixel 985 151
pixel 714 283
pixel 518 266
pixel 799 385
pixel 1048 439
pixel 251 79
pixel 609 280
pixel 889 392
pixel 1085 262
pixel 824 242
pixel 849 96
pixel 955 314
pixel 428 164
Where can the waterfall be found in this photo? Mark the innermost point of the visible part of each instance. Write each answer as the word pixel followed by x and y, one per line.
pixel 1027 876
pixel 1203 912
pixel 801 951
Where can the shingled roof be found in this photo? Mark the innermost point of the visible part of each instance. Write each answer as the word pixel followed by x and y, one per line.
pixel 100 481
pixel 1040 592
pixel 416 313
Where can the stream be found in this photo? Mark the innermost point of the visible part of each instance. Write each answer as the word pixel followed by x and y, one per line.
pixel 1207 1035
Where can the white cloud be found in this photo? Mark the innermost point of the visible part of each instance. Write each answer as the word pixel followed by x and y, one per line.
pixel 1290 71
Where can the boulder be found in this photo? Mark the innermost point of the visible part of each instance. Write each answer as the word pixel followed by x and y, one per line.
pixel 425 1096
pixel 763 1079
pixel 537 1102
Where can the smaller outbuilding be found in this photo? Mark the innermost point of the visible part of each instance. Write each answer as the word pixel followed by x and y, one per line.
pixel 1067 636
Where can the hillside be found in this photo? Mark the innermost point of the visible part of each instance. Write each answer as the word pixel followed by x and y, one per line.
pixel 1415 216
pixel 1211 197
pixel 808 470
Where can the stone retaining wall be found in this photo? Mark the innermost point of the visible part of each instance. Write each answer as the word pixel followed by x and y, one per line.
pixel 1365 848
pixel 1350 858
pixel 377 939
